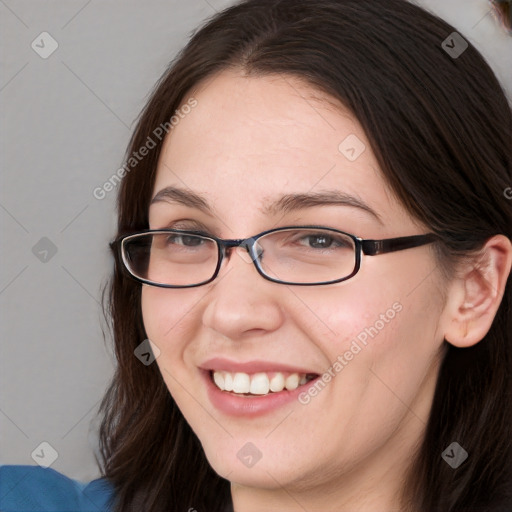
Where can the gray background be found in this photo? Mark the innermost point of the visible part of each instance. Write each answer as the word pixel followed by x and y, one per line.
pixel 65 123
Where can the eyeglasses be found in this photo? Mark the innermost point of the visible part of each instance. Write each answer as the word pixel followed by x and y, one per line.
pixel 304 256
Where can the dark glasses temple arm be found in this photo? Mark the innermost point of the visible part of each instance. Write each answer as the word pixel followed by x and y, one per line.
pixel 374 247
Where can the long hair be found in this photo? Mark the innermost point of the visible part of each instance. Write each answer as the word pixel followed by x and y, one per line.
pixel 440 127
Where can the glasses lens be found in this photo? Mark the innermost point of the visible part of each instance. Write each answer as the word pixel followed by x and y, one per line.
pixel 171 258
pixel 307 255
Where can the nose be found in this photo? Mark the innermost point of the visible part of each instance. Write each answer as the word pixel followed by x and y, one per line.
pixel 241 301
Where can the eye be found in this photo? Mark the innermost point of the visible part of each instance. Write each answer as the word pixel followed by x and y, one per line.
pixel 323 241
pixel 320 241
pixel 185 240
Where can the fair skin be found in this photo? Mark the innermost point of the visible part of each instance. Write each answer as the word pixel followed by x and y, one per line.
pixel 248 142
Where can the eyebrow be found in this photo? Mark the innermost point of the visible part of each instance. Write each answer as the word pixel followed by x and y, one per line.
pixel 293 202
pixel 285 204
pixel 182 196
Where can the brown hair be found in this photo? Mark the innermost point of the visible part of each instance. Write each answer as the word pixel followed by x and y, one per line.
pixel 440 128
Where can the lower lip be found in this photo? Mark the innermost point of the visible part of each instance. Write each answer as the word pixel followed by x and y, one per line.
pixel 241 405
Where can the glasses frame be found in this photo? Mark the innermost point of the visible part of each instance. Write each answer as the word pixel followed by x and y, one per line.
pixel 367 247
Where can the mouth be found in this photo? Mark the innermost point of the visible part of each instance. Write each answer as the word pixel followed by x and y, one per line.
pixel 260 383
pixel 256 387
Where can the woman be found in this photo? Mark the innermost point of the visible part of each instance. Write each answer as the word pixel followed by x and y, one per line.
pixel 317 244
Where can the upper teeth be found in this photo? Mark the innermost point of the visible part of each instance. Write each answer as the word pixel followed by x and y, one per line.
pixel 258 383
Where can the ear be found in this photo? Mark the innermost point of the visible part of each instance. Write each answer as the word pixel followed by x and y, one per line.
pixel 475 294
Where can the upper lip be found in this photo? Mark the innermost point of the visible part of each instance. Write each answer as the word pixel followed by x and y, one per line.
pixel 254 366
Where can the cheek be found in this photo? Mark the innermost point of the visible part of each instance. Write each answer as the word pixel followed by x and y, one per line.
pixel 335 318
pixel 393 331
pixel 170 321
pixel 380 345
pixel 168 315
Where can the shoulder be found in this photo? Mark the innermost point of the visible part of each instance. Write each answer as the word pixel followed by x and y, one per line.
pixel 33 488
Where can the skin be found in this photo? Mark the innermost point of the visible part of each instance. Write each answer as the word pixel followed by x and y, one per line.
pixel 248 141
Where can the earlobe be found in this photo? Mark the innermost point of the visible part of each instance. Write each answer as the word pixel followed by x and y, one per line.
pixel 475 295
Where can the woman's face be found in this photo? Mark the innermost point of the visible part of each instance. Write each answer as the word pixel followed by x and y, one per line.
pixel 268 152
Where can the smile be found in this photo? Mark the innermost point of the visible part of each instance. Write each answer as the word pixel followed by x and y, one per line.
pixel 261 383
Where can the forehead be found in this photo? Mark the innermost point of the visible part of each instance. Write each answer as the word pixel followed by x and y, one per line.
pixel 250 139
pixel 260 120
